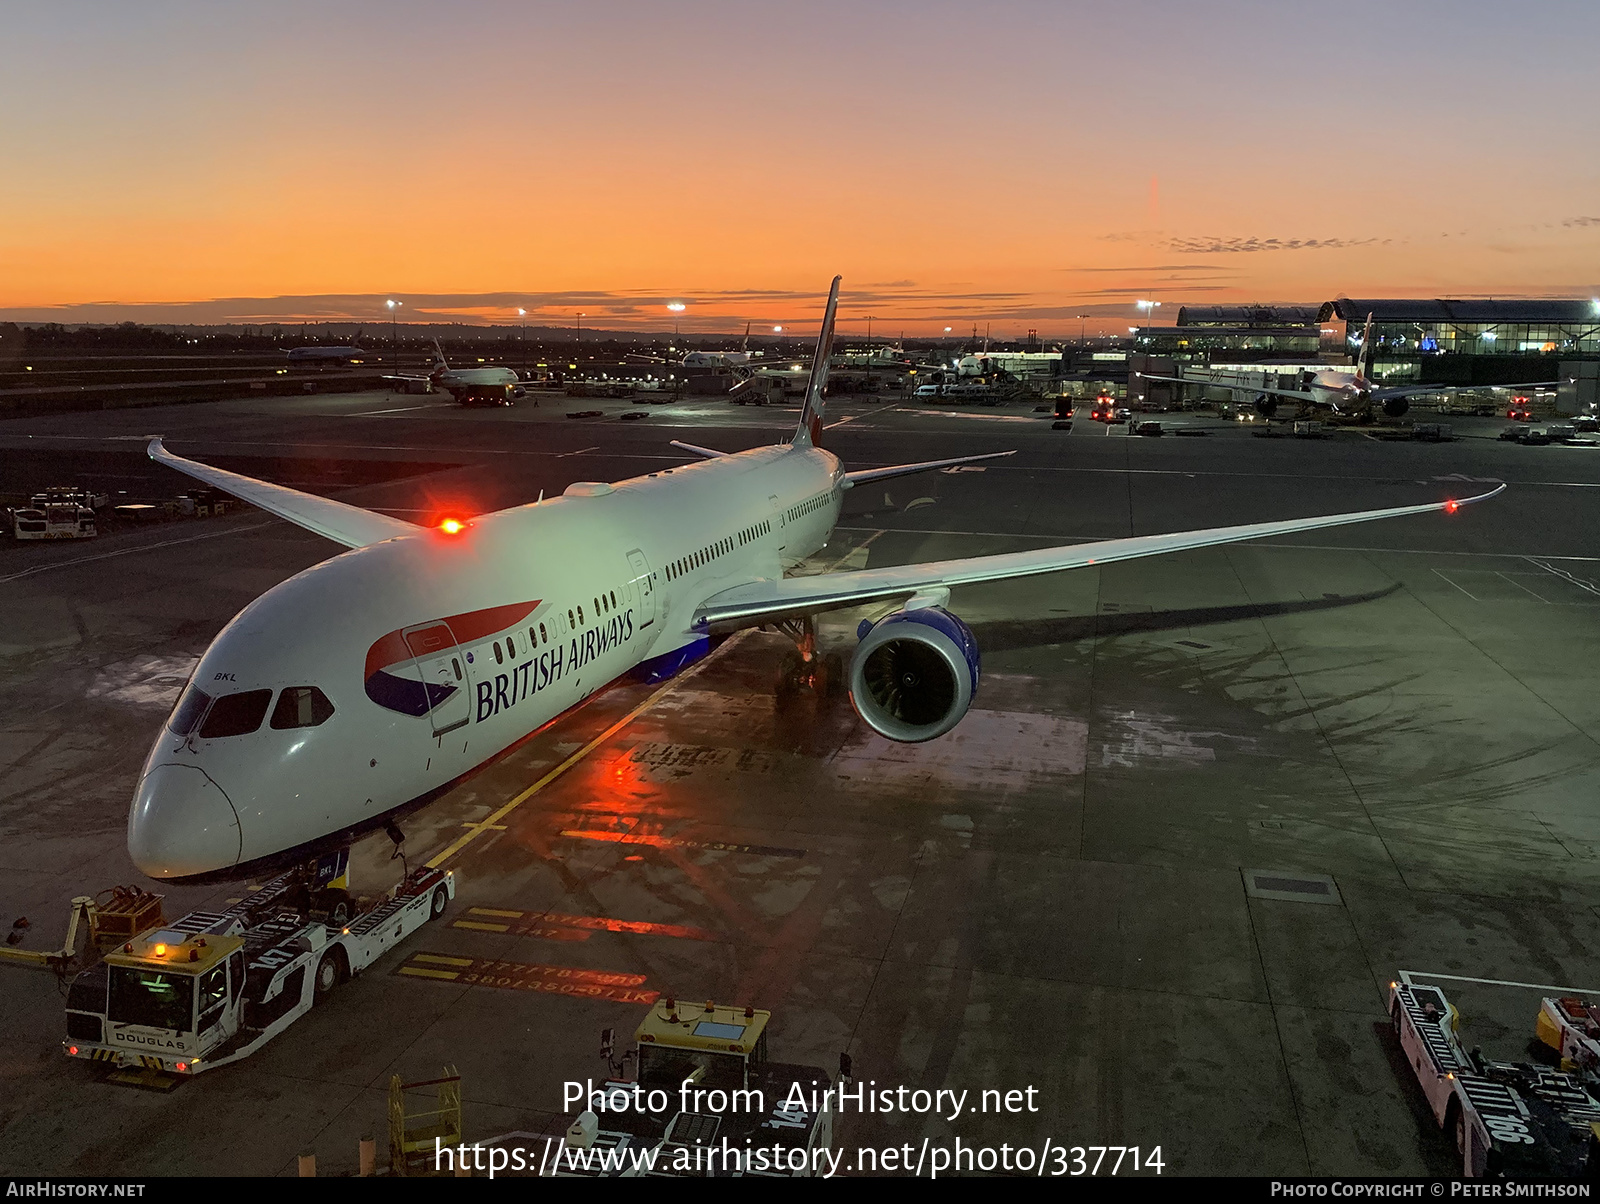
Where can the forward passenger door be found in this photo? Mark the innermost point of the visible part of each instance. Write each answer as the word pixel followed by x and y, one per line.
pixel 443 668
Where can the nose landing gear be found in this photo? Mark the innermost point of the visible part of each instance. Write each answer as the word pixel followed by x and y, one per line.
pixel 393 832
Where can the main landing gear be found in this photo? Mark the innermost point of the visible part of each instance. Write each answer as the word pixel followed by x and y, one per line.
pixel 806 669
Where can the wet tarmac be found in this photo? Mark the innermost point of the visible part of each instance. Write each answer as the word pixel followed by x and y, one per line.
pixel 1054 895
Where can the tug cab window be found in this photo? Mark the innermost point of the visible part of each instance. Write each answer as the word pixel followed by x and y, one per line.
pixel 235 714
pixel 301 706
pixel 154 998
pixel 213 994
pixel 187 713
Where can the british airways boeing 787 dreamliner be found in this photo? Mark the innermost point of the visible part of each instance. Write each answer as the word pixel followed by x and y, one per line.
pixel 374 681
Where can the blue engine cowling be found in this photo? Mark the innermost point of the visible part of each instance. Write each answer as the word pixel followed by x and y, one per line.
pixel 914 674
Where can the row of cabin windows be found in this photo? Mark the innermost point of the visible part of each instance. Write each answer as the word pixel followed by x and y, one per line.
pixel 807 506
pixel 710 552
pixel 604 604
pixel 241 713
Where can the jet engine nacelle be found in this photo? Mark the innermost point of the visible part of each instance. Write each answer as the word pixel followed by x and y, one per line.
pixel 914 674
pixel 1266 405
pixel 1396 407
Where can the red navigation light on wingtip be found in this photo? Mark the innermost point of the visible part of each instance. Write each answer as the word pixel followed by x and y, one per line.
pixel 1452 506
pixel 452 526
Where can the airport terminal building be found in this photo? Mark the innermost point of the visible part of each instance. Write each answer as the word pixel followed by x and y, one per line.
pixel 1466 343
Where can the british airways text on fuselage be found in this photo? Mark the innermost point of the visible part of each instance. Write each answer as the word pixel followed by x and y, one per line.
pixel 505 690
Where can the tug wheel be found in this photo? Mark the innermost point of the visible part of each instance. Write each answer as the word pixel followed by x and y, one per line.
pixel 330 972
pixel 441 900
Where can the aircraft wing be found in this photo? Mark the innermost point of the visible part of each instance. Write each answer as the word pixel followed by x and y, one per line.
pixel 1207 382
pixel 1384 394
pixel 767 601
pixel 338 521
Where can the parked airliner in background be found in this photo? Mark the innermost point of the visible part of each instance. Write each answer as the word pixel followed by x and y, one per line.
pixel 1349 393
pixel 741 358
pixel 373 682
pixel 317 354
pixel 488 385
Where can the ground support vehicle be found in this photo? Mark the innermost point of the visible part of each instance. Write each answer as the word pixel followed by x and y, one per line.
pixel 1510 1120
pixel 214 987
pixel 780 1126
pixel 58 513
pixel 1571 1028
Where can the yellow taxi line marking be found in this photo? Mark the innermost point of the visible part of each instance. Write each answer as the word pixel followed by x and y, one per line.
pixel 444 961
pixel 495 911
pixel 422 973
pixel 478 829
pixel 482 927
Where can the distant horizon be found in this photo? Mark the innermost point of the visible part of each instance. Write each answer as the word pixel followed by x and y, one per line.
pixel 241 313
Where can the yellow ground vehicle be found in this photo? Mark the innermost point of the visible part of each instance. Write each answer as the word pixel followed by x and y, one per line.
pixel 214 987
pixel 705 1100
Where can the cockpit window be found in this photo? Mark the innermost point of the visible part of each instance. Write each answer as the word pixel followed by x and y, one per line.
pixel 187 713
pixel 235 714
pixel 301 706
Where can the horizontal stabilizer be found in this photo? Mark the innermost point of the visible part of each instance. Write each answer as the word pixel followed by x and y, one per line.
pixel 705 453
pixel 338 521
pixel 866 476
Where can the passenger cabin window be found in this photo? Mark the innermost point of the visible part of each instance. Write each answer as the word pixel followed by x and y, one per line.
pixel 499 657
pixel 511 649
pixel 235 714
pixel 187 713
pixel 570 621
pixel 543 638
pixel 613 597
pixel 581 619
pixel 455 663
pixel 304 706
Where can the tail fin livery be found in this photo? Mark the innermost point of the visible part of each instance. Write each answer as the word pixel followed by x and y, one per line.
pixel 1364 358
pixel 809 432
pixel 444 364
pixel 745 346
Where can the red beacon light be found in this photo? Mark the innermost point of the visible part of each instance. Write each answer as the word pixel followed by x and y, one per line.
pixel 452 526
pixel 1452 506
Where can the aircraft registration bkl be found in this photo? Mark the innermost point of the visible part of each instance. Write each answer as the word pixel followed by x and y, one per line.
pixel 372 683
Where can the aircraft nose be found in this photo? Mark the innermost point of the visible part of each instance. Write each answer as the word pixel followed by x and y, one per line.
pixel 182 823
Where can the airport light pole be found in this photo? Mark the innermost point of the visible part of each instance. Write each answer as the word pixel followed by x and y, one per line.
pixel 394 329
pixel 1083 326
pixel 677 307
pixel 523 314
pixel 1149 307
pixel 580 327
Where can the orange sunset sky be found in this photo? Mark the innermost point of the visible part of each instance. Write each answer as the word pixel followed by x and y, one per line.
pixel 1008 163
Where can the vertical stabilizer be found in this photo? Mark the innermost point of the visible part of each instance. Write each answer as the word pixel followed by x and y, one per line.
pixel 809 432
pixel 1364 358
pixel 444 364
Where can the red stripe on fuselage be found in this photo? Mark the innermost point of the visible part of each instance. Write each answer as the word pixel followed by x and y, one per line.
pixel 473 625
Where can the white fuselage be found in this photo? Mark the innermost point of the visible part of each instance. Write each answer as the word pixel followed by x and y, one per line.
pixel 466 378
pixel 1338 389
pixel 717 359
pixel 438 652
